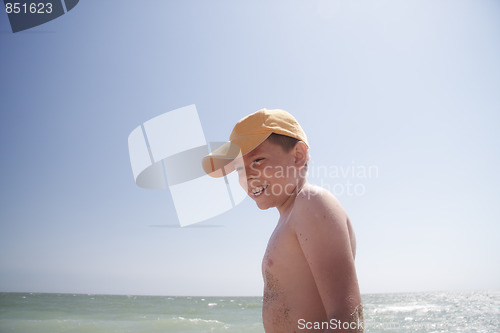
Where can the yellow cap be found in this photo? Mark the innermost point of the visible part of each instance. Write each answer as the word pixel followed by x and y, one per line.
pixel 247 134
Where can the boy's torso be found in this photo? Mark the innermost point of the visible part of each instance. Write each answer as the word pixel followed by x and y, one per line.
pixel 290 292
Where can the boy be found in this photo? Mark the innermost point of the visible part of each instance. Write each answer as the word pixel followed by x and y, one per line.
pixel 310 281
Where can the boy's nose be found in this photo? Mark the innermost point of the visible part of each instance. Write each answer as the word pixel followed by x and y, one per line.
pixel 250 174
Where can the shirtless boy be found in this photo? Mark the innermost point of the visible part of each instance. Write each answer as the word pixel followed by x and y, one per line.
pixel 310 282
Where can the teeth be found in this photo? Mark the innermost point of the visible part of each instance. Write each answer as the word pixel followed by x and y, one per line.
pixel 258 189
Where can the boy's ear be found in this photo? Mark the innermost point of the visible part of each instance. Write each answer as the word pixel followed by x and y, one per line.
pixel 300 154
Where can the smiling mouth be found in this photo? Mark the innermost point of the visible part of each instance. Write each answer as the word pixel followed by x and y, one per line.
pixel 257 191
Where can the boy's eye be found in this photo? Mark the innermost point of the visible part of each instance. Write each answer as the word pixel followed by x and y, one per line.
pixel 256 161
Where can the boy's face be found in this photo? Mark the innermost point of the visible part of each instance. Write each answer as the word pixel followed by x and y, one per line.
pixel 268 174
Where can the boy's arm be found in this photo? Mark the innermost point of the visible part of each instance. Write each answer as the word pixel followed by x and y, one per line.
pixel 321 227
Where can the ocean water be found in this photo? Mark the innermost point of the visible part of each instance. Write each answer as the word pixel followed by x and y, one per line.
pixel 477 312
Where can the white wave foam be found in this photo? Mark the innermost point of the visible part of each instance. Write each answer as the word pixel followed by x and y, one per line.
pixel 201 321
pixel 409 308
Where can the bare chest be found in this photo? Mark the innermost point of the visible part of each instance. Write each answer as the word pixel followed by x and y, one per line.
pixel 284 266
pixel 289 288
pixel 282 252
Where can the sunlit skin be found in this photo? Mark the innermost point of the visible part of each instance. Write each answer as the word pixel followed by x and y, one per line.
pixel 269 165
pixel 308 267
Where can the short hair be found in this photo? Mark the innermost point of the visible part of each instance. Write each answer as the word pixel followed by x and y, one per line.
pixel 286 143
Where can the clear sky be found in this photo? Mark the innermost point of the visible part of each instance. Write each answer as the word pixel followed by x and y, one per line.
pixel 406 89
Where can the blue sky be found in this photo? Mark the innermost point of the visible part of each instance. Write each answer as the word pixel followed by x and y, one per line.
pixel 407 87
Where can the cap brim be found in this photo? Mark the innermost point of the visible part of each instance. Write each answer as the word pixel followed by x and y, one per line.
pixel 221 161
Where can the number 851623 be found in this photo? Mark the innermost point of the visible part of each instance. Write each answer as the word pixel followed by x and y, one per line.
pixel 32 8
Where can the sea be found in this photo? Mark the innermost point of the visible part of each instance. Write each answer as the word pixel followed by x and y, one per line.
pixel 471 311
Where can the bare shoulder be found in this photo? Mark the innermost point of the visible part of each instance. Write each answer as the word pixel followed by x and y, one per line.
pixel 318 212
pixel 316 203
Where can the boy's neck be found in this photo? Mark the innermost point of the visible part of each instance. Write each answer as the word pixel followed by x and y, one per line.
pixel 285 208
